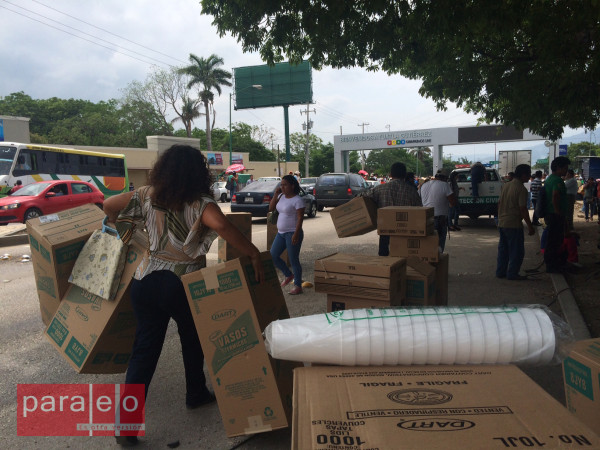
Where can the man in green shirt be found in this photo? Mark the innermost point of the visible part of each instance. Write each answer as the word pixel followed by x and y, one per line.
pixel 512 210
pixel 556 215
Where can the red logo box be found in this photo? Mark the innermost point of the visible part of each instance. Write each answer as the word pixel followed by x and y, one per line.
pixel 80 410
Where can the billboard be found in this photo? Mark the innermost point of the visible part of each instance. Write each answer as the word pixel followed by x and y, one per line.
pixel 278 85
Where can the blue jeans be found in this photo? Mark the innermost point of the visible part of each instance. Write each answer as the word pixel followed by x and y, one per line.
pixel 440 223
pixel 511 251
pixel 155 299
pixel 453 214
pixel 283 241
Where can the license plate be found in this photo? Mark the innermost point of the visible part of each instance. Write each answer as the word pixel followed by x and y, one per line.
pixel 249 200
pixel 331 192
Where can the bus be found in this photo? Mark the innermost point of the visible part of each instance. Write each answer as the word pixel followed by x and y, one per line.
pixel 30 163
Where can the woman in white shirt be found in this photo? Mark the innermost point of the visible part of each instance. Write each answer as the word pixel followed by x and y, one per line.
pixel 289 237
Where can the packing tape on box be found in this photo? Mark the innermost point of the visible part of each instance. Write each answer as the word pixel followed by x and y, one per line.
pixel 210 278
pixel 528 335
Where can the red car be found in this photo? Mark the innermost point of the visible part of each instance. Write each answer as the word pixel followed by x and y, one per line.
pixel 47 197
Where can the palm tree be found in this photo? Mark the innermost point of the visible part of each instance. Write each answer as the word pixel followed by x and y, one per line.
pixel 418 152
pixel 189 111
pixel 207 72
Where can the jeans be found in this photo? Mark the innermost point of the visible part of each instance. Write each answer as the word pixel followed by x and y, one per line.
pixel 553 257
pixel 589 207
pixel 570 210
pixel 283 241
pixel 511 251
pixel 535 218
pixel 440 223
pixel 155 299
pixel 453 214
pixel 384 245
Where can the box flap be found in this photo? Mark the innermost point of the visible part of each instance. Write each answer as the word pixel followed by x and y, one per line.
pixel 422 267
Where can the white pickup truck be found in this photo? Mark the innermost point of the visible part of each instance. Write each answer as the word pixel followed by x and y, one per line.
pixel 489 193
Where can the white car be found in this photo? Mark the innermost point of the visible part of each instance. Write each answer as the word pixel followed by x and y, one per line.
pixel 269 179
pixel 219 191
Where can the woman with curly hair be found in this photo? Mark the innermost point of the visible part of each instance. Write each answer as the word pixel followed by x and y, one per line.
pixel 182 219
pixel 290 207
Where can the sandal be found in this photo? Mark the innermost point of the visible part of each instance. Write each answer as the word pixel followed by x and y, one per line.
pixel 287 281
pixel 297 290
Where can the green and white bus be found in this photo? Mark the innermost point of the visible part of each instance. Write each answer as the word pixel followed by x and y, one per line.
pixel 30 163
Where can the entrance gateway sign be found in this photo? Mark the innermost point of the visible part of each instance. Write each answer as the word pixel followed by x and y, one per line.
pixel 432 137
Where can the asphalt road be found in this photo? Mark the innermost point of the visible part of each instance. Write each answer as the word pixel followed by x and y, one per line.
pixel 26 356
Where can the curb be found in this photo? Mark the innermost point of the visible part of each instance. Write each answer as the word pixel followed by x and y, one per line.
pixel 15 239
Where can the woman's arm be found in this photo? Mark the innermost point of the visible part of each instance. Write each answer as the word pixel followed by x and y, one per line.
pixel 113 205
pixel 299 220
pixel 213 218
pixel 275 199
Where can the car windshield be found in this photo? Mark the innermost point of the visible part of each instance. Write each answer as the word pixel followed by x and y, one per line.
pixel 332 180
pixel 220 184
pixel 31 189
pixel 265 186
pixel 7 155
pixel 308 181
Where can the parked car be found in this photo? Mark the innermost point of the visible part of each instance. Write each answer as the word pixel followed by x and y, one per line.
pixel 308 184
pixel 47 197
pixel 219 191
pixel 489 193
pixel 269 179
pixel 255 199
pixel 335 189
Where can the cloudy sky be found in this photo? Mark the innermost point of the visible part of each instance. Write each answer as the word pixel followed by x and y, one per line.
pixel 93 49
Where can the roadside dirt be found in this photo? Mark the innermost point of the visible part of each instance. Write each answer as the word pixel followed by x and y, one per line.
pixel 585 282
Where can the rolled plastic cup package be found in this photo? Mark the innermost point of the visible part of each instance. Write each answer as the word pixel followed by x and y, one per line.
pixel 518 334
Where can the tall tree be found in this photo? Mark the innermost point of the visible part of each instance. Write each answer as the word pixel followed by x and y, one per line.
pixel 190 110
pixel 531 64
pixel 207 73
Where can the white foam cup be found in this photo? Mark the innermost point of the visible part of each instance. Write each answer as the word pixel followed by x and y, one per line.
pixel 363 337
pixel 548 336
pixel 492 337
pixel 477 336
pixel 534 332
pixel 348 338
pixel 420 341
pixel 463 336
pixel 434 336
pixel 405 336
pixel 448 336
pixel 521 338
pixel 377 337
pixel 507 341
pixel 392 344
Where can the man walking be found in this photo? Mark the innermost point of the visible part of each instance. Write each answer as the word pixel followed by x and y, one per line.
pixel 395 192
pixel 556 214
pixel 512 210
pixel 438 193
pixel 536 185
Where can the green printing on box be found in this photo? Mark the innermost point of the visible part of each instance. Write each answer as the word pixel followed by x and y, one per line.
pixel 415 288
pixel 46 284
pixel 579 377
pixel 270 273
pixel 237 339
pixel 102 358
pixel 69 253
pixel 76 352
pixel 198 291
pixel 45 253
pixel 34 243
pixel 58 332
pixel 81 296
pixel 122 358
pixel 229 281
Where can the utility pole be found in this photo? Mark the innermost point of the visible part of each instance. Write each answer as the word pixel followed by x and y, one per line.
pixel 307 126
pixel 362 152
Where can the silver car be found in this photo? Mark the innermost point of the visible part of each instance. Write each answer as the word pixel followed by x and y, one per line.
pixel 219 191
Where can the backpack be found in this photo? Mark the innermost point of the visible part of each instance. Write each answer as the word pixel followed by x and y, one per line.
pixel 229 184
pixel 541 203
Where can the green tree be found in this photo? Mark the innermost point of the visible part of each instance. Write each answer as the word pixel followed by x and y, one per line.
pixel 583 148
pixel 380 161
pixel 528 64
pixel 207 73
pixel 190 110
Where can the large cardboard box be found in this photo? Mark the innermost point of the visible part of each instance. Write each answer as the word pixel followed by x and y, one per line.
pixel 243 222
pixel 358 216
pixel 581 372
pixel 55 241
pixel 93 334
pixel 231 310
pixel 374 277
pixel 405 220
pixel 424 248
pixel 420 283
pixel 429 407
pixel 441 279
pixel 341 302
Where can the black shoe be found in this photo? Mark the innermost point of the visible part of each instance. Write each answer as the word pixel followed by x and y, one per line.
pixel 204 400
pixel 127 441
pixel 517 278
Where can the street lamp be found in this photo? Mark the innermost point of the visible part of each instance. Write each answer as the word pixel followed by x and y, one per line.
pixel 254 86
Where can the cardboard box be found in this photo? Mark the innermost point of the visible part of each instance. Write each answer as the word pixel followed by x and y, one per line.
pixel 55 241
pixel 424 248
pixel 441 279
pixel 420 283
pixel 356 217
pixel 429 407
pixel 581 373
pixel 375 277
pixel 405 220
pixel 341 302
pixel 93 334
pixel 231 310
pixel 243 222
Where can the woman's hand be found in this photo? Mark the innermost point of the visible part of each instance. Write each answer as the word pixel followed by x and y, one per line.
pixel 295 238
pixel 259 269
pixel 278 191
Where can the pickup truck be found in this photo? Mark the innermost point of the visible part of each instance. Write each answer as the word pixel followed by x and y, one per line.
pixel 489 193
